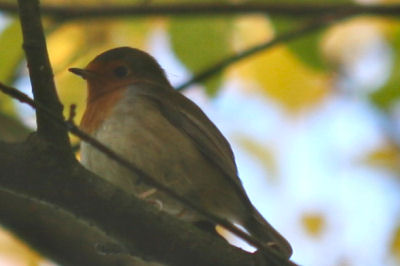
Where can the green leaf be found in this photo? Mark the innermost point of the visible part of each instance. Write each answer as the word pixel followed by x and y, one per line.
pixel 201 42
pixel 11 54
pixel 385 97
pixel 307 47
pixel 10 51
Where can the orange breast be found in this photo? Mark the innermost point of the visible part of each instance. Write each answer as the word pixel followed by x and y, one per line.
pixel 97 110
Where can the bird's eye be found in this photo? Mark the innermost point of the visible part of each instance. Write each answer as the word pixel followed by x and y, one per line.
pixel 121 71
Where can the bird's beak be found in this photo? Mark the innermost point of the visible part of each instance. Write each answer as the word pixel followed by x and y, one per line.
pixel 83 73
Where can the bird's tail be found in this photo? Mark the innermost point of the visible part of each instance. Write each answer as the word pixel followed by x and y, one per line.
pixel 259 228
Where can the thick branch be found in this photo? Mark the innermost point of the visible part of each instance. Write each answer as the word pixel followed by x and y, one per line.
pixel 79 191
pixel 37 170
pixel 57 234
pixel 272 257
pixel 40 72
pixel 204 9
pixel 51 231
pixel 11 129
pixel 144 176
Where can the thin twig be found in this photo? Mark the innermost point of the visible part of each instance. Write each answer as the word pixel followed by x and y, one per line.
pixel 18 95
pixel 154 183
pixel 70 125
pixel 310 27
pixel 23 98
pixel 68 12
pixel 72 113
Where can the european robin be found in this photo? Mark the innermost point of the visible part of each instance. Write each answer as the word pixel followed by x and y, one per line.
pixel 134 110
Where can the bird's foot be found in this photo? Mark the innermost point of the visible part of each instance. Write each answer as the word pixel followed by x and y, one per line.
pixel 155 202
pixel 147 193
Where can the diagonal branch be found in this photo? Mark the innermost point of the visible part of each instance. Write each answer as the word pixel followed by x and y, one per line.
pixel 57 234
pixel 68 12
pixel 53 232
pixel 216 68
pixel 41 75
pixel 33 169
pixel 48 106
pixel 37 173
pixel 53 130
pixel 149 180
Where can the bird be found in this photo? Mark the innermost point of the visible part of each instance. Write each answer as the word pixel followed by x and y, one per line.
pixel 133 109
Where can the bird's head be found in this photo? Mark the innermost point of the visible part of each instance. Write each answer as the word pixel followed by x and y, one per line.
pixel 118 68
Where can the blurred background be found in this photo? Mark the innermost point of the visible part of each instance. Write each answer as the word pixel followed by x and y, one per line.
pixel 314 123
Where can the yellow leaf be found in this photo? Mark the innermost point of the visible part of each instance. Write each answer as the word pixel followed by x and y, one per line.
pixel 314 223
pixel 16 251
pixel 250 31
pixel 63 44
pixel 260 152
pixel 387 156
pixel 343 42
pixel 395 246
pixel 284 78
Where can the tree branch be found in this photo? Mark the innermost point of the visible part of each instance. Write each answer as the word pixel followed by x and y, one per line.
pixel 39 170
pixel 310 27
pixel 149 180
pixel 57 234
pixel 11 129
pixel 68 12
pixel 53 232
pixel 34 169
pixel 41 75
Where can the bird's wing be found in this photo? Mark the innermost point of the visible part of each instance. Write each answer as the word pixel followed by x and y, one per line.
pixel 187 117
